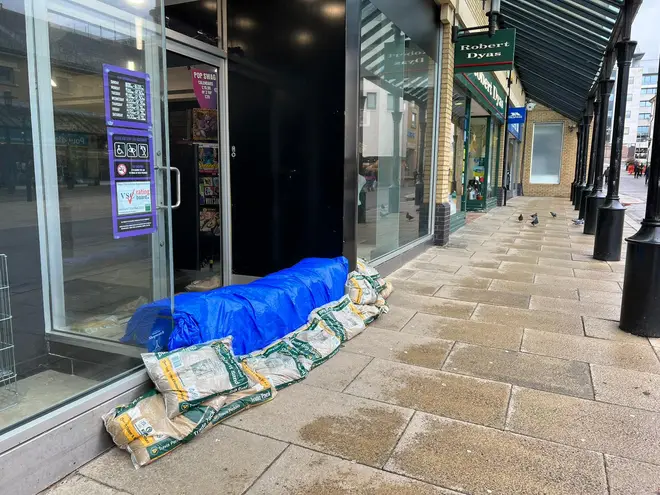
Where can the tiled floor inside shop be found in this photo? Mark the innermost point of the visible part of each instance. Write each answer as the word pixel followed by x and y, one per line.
pixel 499 370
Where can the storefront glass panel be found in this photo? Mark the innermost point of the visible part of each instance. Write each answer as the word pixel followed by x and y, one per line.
pixel 494 159
pixel 459 123
pixel 199 19
pixel 84 225
pixel 477 159
pixel 397 88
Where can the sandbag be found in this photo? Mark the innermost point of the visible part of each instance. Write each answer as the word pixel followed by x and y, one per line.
pixel 205 284
pixel 280 363
pixel 345 318
pixel 143 428
pixel 316 343
pixel 382 286
pixel 260 390
pixel 360 290
pixel 187 377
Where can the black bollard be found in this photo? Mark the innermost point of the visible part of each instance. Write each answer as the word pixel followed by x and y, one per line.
pixel 640 305
pixel 597 197
pixel 612 215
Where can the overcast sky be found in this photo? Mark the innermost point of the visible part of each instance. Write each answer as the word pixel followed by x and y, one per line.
pixel 645 29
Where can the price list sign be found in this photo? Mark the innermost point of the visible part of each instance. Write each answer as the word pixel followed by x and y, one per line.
pixel 130 151
pixel 127 98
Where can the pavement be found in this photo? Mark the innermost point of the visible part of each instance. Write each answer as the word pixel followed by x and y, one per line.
pixel 499 370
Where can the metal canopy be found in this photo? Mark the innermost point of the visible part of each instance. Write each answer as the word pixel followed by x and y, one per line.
pixel 560 46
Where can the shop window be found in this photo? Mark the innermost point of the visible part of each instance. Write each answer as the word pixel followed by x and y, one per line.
pixel 547 147
pixel 645 104
pixel 628 113
pixel 629 97
pixel 459 117
pixel 626 131
pixel 644 116
pixel 371 101
pixel 395 152
pixel 6 75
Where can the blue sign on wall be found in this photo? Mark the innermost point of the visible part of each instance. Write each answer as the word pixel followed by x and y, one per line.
pixel 517 115
pixel 516 131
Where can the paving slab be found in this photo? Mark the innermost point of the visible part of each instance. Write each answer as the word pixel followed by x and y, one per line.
pixel 620 354
pixel 600 297
pixel 443 394
pixel 402 273
pixel 533 289
pixel 496 298
pixel 587 424
pixel 479 460
pixel 609 330
pixel 599 275
pixel 337 424
pixel 301 471
pixel 475 332
pixel 577 283
pixel 477 262
pixel 512 266
pixel 80 485
pixel 626 477
pixel 339 371
pixel 221 459
pixel 516 276
pixel 542 320
pixel 582 308
pixel 538 254
pixel 600 266
pixel 519 258
pixel 446 279
pixel 428 352
pixel 434 267
pixel 626 387
pixel 395 318
pixel 543 373
pixel 432 305
pixel 415 287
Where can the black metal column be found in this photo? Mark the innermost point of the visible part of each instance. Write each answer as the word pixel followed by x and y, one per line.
pixel 505 155
pixel 640 305
pixel 579 187
pixel 580 133
pixel 590 175
pixel 597 197
pixel 611 216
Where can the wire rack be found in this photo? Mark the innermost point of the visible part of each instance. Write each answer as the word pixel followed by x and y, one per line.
pixel 8 385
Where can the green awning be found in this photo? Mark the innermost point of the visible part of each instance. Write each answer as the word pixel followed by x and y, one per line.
pixel 560 47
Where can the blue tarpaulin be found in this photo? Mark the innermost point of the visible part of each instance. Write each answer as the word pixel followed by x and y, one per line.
pixel 255 315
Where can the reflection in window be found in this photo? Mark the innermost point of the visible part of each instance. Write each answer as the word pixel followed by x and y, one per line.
pixel 458 123
pixel 546 153
pixel 397 83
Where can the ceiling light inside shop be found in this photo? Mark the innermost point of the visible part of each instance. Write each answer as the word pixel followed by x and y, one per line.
pixel 333 10
pixel 139 40
pixel 53 83
pixel 245 23
pixel 210 5
pixel 130 65
pixel 135 2
pixel 303 38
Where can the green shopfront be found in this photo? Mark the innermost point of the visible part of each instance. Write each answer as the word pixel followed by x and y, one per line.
pixel 484 109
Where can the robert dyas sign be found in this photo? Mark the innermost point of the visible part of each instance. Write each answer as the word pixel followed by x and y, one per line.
pixel 483 53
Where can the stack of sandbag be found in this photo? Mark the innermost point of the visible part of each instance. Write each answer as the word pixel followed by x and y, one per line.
pixel 197 388
pixel 382 286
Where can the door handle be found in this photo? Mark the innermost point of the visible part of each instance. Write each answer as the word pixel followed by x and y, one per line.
pixel 178 188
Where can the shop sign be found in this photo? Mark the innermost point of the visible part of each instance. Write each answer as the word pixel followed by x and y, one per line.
pixel 516 131
pixel 130 151
pixel 487 91
pixel 485 53
pixel 205 84
pixel 517 115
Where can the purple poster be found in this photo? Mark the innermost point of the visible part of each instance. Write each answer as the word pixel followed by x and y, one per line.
pixel 130 150
pixel 132 182
pixel 127 98
pixel 205 85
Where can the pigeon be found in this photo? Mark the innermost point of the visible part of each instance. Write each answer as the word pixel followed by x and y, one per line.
pixel 535 221
pixel 554 215
pixel 578 221
pixel 520 218
pixel 535 215
pixel 383 211
pixel 409 217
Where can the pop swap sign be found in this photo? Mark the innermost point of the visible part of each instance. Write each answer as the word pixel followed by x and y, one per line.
pixel 205 85
pixel 130 151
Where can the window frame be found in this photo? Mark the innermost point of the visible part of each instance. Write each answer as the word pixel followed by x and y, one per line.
pixel 373 106
pixel 531 165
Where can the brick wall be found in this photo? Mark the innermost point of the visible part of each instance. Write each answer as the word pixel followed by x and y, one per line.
pixel 542 114
pixel 444 121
